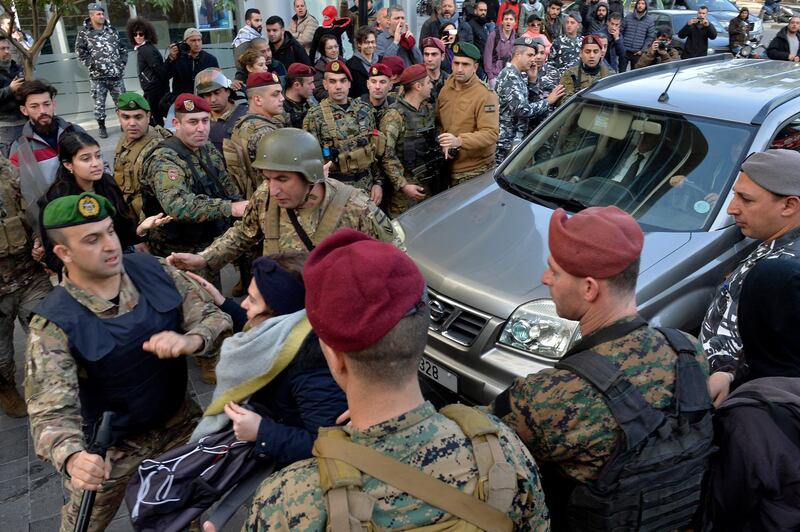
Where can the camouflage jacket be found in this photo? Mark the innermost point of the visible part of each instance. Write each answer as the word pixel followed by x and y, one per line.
pixel 292 499
pixel 546 80
pixel 249 129
pixel 17 268
pixel 393 127
pixel 381 110
pixel 51 373
pixel 576 79
pixel 437 86
pixel 129 159
pixel 360 213
pixel 565 53
pixel 101 51
pixel 719 332
pixel 516 109
pixel 295 112
pixel 564 420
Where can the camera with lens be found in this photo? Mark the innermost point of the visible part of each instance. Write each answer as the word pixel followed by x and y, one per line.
pixel 663 45
pixel 183 47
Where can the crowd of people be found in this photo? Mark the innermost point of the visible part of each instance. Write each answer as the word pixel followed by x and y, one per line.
pixel 291 172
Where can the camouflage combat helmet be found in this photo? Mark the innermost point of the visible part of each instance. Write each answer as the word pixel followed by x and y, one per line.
pixel 291 150
pixel 209 80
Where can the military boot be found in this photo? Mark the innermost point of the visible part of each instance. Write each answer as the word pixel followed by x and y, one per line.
pixel 103 134
pixel 10 401
pixel 208 373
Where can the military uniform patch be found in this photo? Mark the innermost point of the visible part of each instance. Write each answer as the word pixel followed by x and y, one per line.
pixel 335 67
pixel 88 207
pixel 374 71
pixel 489 108
pixel 275 78
pixel 188 105
pixel 172 174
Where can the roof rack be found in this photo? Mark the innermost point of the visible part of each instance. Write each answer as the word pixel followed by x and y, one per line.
pixel 636 73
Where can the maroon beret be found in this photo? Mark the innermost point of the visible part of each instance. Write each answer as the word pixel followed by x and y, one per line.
pixel 338 67
pixel 395 63
pixel 433 42
pixel 591 39
pixel 379 69
pixel 597 242
pixel 300 70
pixel 412 74
pixel 262 79
pixel 358 289
pixel 189 103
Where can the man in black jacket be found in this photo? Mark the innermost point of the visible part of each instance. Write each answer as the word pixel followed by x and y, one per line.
pixel 697 32
pixel 786 43
pixel 284 46
pixel 183 67
pixel 11 119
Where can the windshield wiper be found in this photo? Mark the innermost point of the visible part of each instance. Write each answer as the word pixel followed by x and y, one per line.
pixel 547 200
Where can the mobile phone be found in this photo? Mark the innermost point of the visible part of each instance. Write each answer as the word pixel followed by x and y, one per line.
pixel 750 26
pixel 452 31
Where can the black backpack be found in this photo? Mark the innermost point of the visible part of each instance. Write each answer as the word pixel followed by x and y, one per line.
pixel 654 478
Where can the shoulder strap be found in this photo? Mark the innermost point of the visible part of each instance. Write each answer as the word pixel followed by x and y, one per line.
pixel 327 114
pixel 273 233
pixel 209 179
pixel 299 229
pixel 636 417
pixel 691 392
pixel 333 214
pixel 412 481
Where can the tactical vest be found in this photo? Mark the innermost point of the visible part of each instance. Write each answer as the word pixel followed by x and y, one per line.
pixel 13 235
pixel 356 153
pixel 654 478
pixel 204 181
pixel 295 112
pixel 329 222
pixel 115 373
pixel 221 129
pixel 419 152
pixel 237 159
pixel 128 167
pixel 342 464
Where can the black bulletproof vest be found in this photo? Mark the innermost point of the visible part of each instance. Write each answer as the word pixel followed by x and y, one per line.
pixel 118 375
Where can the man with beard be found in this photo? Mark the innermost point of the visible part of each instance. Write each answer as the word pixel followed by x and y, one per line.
pixel 446 14
pixel 43 129
pixel 785 46
pixel 589 68
pixel 595 21
pixel 477 21
pixel 285 48
pixel 554 20
pixel 638 33
pixel 739 30
pixel 251 29
pixel 299 88
pixel 432 55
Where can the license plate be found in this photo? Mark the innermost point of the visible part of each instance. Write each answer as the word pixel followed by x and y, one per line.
pixel 439 374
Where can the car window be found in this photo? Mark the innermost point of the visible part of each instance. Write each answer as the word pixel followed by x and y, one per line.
pixel 788 137
pixel 667 170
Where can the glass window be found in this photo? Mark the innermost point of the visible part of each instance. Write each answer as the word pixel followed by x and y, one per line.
pixel 666 170
pixel 788 138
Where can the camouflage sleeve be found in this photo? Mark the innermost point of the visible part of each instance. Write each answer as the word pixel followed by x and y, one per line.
pixel 243 235
pixel 487 123
pixel 515 99
pixel 200 315
pixel 82 49
pixel 225 178
pixel 290 499
pixel 311 123
pixel 362 214
pixel 51 392
pixel 392 127
pixel 168 179
pixel 569 87
pixel 123 52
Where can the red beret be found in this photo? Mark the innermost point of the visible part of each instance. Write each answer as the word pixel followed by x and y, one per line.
pixel 395 63
pixel 433 42
pixel 379 69
pixel 262 79
pixel 300 70
pixel 338 67
pixel 189 103
pixel 413 73
pixel 358 289
pixel 597 242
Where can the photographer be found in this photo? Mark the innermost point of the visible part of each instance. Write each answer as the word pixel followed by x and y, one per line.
pixel 11 78
pixel 739 30
pixel 186 58
pixel 697 32
pixel 661 51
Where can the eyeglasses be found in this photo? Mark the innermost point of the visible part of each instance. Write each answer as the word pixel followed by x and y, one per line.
pixel 138 34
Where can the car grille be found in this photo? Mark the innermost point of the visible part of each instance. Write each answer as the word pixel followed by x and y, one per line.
pixel 455 321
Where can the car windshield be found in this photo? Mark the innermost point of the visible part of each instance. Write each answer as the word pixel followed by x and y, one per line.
pixel 668 171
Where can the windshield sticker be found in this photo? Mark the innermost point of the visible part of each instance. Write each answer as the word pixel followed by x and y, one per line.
pixel 601 121
pixel 702 207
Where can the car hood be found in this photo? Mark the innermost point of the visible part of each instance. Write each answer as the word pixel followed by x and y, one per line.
pixel 487 248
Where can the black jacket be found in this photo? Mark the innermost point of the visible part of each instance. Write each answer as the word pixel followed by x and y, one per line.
pixel 479 33
pixel 290 51
pixel 152 71
pixel 360 76
pixel 779 46
pixel 697 37
pixel 9 108
pixel 184 68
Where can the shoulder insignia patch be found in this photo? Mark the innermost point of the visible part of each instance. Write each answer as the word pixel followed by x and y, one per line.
pixel 489 108
pixel 172 173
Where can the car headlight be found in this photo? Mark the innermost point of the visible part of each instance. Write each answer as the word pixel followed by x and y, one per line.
pixel 536 328
pixel 399 239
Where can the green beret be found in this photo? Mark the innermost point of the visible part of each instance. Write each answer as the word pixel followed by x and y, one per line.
pixel 132 101
pixel 467 49
pixel 67 211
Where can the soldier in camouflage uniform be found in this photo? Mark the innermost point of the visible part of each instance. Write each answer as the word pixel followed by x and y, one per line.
pixel 294 208
pixel 185 178
pixel 379 87
pixel 347 131
pixel 589 69
pixel 432 55
pixel 412 159
pixel 22 282
pixel 565 52
pixel 299 90
pixel 562 418
pixel 101 50
pixel 76 368
pixel 372 338
pixel 226 106
pixel 516 109
pixel 137 140
pixel 543 79
pixel 264 114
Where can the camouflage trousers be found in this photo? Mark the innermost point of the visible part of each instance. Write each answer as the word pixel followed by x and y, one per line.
pixel 400 203
pixel 18 304
pixel 125 458
pixel 462 177
pixel 100 89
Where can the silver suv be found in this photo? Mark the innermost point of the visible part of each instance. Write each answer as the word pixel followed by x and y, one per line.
pixel 664 143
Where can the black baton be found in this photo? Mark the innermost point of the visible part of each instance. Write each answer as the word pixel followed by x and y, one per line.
pixel 101 443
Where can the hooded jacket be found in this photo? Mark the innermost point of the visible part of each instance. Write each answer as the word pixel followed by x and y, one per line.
pixel 779 46
pixel 9 108
pixel 290 51
pixel 101 51
pixel 638 32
